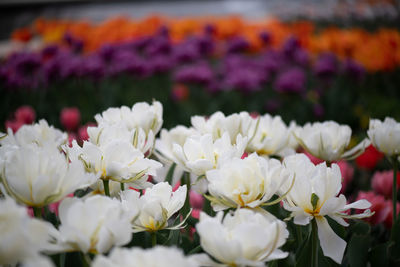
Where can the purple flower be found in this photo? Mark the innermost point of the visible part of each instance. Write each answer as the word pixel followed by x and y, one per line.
pixel 291 81
pixel 205 45
pixel 74 43
pixel 354 70
pixel 326 66
pixel 160 63
pixel 71 67
pixel 27 64
pixel 245 79
pixel 158 45
pixel 185 52
pixel 50 51
pixel 265 37
pixel 290 46
pixel 198 73
pixel 237 45
pixel 301 57
pixel 107 52
pixel 271 61
pixel 93 67
pixel 210 29
pixel 23 70
pixel 128 62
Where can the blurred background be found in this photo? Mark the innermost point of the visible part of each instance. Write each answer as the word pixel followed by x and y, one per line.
pixel 308 60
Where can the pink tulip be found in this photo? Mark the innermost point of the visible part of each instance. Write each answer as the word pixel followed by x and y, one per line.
pixel 382 183
pixel 14 125
pixel 389 219
pixel 378 205
pixel 25 114
pixel 70 118
pixel 196 200
pixel 82 132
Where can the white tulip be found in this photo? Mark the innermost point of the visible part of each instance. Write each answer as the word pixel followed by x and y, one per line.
pixel 36 135
pixel 142 115
pixel 156 206
pixel 315 195
pixel 198 185
pixel 22 238
pixel 104 134
pixel 245 238
pixel 94 224
pixel 201 153
pixel 271 136
pixel 385 136
pixel 164 144
pixel 39 134
pixel 248 182
pixel 117 160
pixel 328 141
pixel 38 176
pixel 155 257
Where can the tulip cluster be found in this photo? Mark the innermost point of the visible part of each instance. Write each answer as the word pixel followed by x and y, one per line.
pixel 132 190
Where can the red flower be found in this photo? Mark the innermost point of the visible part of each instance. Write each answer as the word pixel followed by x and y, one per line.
pixel 369 158
pixel 25 114
pixel 70 118
pixel 14 125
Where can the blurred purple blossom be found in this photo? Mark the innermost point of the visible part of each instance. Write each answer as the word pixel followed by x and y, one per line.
pixel 354 70
pixel 198 73
pixel 290 46
pixel 237 45
pixel 265 37
pixel 326 66
pixel 291 81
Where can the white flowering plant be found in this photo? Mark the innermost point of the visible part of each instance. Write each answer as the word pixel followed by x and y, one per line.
pixel 229 190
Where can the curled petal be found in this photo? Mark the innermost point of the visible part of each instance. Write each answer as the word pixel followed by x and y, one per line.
pixel 360 204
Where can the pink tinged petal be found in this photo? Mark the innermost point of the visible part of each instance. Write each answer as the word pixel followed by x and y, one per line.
pixel 332 245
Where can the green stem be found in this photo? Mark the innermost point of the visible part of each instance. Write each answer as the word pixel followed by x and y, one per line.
pixel 153 239
pixel 299 235
pixel 37 212
pixel 314 235
pixel 394 191
pixel 62 259
pixel 106 188
pixel 85 260
pixel 122 186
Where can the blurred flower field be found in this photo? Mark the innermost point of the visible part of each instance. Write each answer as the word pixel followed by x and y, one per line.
pixel 199 65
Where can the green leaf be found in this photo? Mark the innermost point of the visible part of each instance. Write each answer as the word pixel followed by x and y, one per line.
pixel 314 200
pixel 395 238
pixel 361 228
pixel 379 255
pixel 303 255
pixel 170 174
pixel 357 250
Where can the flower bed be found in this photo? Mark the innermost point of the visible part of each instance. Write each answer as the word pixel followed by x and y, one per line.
pixel 236 190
